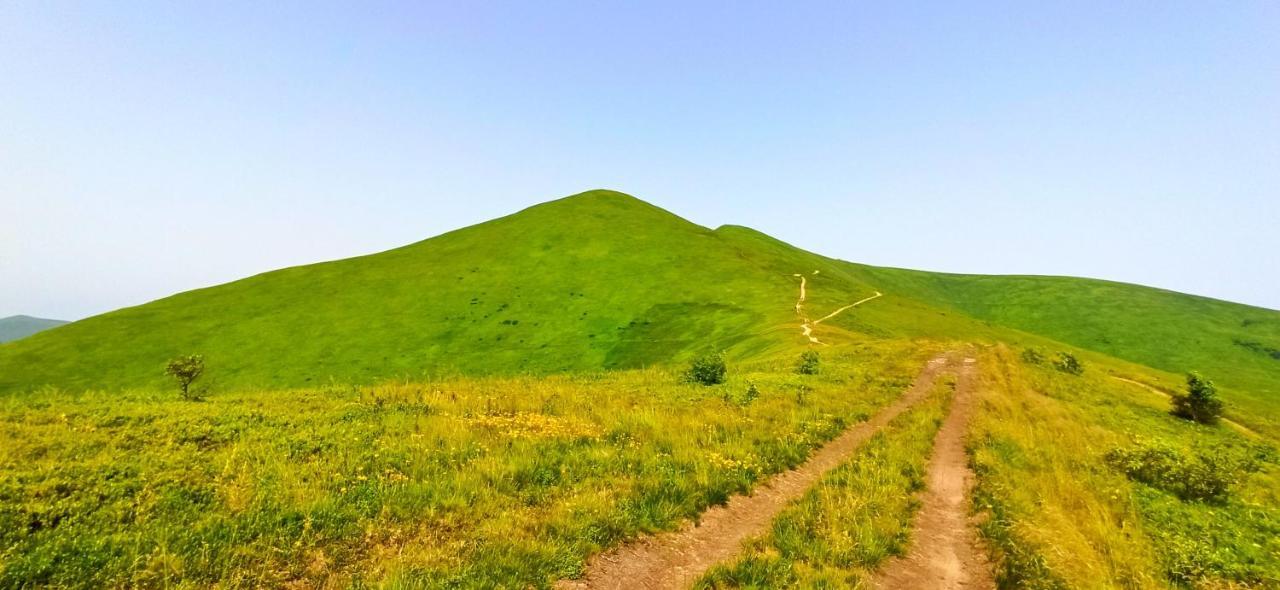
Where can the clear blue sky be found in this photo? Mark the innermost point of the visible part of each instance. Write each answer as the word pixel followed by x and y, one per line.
pixel 147 149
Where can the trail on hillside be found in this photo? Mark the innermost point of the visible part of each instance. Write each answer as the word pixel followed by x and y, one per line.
pixel 850 306
pixel 806 325
pixel 944 552
pixel 677 559
pixel 1241 428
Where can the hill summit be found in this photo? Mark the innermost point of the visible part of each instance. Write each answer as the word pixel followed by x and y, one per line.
pixel 602 280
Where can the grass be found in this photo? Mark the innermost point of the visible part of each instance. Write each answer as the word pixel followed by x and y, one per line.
pixel 1230 343
pixel 491 406
pixel 507 482
pixel 1060 517
pixel 857 517
pixel 602 280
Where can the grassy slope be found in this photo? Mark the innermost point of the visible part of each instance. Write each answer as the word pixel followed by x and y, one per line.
pixel 596 280
pixel 604 280
pixel 21 326
pixel 1231 343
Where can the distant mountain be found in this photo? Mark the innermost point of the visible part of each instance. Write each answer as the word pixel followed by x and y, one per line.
pixel 21 326
pixel 603 280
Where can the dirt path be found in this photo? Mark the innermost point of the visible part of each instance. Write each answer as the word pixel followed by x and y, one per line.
pixel 944 552
pixel 677 559
pixel 850 306
pixel 1241 428
pixel 807 326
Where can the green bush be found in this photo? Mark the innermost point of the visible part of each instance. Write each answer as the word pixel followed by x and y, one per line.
pixel 707 370
pixel 186 369
pixel 808 363
pixel 1068 363
pixel 1200 403
pixel 1204 475
pixel 1032 356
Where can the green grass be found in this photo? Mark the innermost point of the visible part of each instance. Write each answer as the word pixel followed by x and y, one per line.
pixel 500 482
pixel 858 516
pixel 491 406
pixel 1059 516
pixel 1235 345
pixel 602 280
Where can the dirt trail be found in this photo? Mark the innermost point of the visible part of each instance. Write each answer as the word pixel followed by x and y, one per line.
pixel 806 325
pixel 842 309
pixel 677 559
pixel 944 552
pixel 1241 428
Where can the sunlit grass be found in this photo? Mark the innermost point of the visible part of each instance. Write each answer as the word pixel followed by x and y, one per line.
pixel 473 482
pixel 1060 517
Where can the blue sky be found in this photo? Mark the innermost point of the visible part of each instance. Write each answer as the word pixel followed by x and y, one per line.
pixel 147 149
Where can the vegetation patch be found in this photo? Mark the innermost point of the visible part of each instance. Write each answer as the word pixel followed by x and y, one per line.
pixel 1204 474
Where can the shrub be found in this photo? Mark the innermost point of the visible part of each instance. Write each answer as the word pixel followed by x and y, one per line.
pixel 753 392
pixel 1068 363
pixel 1032 356
pixel 808 363
pixel 1204 475
pixel 707 370
pixel 186 369
pixel 1200 403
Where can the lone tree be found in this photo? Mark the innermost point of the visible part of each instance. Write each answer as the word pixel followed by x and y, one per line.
pixel 1200 403
pixel 186 369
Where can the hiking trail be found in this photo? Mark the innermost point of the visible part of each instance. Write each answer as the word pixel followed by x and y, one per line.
pixel 806 325
pixel 676 559
pixel 944 553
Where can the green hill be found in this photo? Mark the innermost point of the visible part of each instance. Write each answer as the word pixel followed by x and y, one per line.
pixel 603 280
pixel 21 326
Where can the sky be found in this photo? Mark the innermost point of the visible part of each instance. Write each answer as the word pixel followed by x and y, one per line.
pixel 152 148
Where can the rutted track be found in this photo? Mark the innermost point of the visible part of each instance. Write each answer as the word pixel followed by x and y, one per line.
pixel 944 552
pixel 676 559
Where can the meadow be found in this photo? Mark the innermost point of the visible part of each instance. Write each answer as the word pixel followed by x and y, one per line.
pixel 1062 514
pixel 453 483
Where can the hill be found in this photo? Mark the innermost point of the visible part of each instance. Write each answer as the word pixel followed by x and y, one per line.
pixel 603 280
pixel 597 280
pixel 21 326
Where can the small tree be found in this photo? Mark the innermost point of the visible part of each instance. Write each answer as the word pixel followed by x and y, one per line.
pixel 186 369
pixel 1068 363
pixel 1200 403
pixel 808 363
pixel 707 370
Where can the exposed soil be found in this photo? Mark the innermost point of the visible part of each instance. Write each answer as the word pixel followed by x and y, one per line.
pixel 677 559
pixel 944 552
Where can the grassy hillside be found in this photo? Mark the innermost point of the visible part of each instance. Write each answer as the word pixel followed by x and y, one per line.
pixel 602 280
pixel 1236 345
pixel 598 280
pixel 21 326
pixel 473 464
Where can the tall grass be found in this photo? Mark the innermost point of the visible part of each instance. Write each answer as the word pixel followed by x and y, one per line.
pixel 1058 516
pixel 459 483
